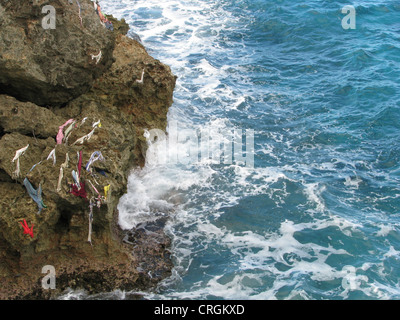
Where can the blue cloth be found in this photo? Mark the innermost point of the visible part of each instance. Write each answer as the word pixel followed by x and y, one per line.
pixel 36 195
pixel 94 157
pixel 109 26
pixel 102 172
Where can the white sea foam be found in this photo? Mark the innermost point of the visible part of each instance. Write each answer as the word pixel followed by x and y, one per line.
pixel 313 192
pixel 384 230
pixel 195 193
pixel 353 182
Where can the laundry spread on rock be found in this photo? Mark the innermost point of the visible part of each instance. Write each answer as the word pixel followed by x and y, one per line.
pixel 76 184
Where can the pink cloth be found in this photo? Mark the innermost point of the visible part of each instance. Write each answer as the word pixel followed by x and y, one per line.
pixel 60 134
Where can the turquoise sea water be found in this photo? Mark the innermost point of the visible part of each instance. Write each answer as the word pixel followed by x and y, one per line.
pixel 318 216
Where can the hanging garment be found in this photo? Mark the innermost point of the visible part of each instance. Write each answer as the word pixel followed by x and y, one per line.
pixel 68 131
pixel 106 191
pixel 36 195
pixel 79 192
pixel 62 167
pixel 93 158
pixel 52 154
pixel 60 177
pixel 90 221
pixel 94 188
pixel 84 138
pixel 78 188
pixel 18 154
pixel 94 178
pixel 27 230
pixel 80 17
pixel 97 57
pixel 83 121
pixel 75 176
pixel 141 79
pixel 60 135
pixel 99 199
pixel 79 163
pixel 96 124
pixel 34 166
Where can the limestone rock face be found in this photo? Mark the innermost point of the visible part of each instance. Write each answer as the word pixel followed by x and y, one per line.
pixel 27 118
pixel 108 110
pixel 137 85
pixel 51 66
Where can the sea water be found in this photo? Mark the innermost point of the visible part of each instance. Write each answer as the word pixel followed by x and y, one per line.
pixel 317 213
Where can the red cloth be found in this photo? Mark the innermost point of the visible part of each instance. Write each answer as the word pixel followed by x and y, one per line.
pixel 27 230
pixel 79 192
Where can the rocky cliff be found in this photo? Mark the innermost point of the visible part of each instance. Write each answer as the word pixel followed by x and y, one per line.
pixel 74 101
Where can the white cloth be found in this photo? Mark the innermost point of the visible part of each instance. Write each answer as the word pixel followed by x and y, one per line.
pixel 18 154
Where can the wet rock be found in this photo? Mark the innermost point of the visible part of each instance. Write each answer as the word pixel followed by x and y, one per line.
pixel 120 26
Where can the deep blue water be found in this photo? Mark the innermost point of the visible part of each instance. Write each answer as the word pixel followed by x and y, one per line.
pixel 318 216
